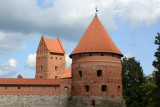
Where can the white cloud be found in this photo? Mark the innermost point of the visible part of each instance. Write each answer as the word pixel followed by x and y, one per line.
pixel 12 62
pixel 129 55
pixel 68 61
pixel 8 69
pixel 31 61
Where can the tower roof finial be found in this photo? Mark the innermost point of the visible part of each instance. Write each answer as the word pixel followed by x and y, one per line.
pixel 96 11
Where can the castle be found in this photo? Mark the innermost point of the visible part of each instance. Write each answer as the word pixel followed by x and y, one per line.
pixel 93 80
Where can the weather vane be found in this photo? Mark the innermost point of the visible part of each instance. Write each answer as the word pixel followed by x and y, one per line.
pixel 96 11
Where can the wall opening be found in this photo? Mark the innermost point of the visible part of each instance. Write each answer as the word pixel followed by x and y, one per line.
pixel 60 58
pixel 80 73
pixel 72 89
pixel 41 67
pixel 87 88
pixel 56 58
pixel 19 87
pixel 65 88
pixel 99 73
pixel 90 54
pixel 101 54
pixel 104 88
pixel 118 87
pixel 93 103
pixel 55 77
pixel 40 77
pixel 56 67
pixel 79 55
pixel 51 57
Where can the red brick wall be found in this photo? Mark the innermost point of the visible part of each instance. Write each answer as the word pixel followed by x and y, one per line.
pixel 110 64
pixel 29 90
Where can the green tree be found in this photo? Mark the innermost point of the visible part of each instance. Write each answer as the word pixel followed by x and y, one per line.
pixel 148 94
pixel 156 64
pixel 132 79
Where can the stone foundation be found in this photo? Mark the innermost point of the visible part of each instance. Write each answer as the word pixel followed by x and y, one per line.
pixel 80 101
pixel 34 100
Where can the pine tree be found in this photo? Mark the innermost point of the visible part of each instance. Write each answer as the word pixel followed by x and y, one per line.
pixel 156 63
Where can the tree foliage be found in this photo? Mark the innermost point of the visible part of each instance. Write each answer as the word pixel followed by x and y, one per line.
pixel 156 63
pixel 132 79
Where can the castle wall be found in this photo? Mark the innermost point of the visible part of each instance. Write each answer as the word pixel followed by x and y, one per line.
pixel 29 90
pixel 34 100
pixel 89 64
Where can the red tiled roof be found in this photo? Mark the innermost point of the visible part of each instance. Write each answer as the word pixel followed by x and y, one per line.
pixel 54 45
pixel 14 81
pixel 96 39
pixel 67 74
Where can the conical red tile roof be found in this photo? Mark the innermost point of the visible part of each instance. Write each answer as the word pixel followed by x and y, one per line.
pixel 96 39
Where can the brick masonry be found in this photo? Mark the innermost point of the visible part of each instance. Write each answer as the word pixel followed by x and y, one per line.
pixel 109 64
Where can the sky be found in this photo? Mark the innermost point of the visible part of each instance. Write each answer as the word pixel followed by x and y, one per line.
pixel 132 25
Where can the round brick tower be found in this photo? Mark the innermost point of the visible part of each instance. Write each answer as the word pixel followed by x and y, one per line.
pixel 96 67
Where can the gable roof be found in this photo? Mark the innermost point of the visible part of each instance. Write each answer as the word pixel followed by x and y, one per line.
pixel 54 45
pixel 67 74
pixel 14 81
pixel 96 39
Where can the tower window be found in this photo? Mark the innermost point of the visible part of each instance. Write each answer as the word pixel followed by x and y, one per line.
pixel 56 67
pixel 80 73
pixel 87 88
pixel 41 67
pixel 55 77
pixel 118 87
pixel 99 73
pixel 90 54
pixel 104 88
pixel 18 87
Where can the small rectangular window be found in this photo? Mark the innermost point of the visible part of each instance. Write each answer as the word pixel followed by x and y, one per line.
pixel 18 87
pixel 99 73
pixel 56 68
pixel 80 73
pixel 87 88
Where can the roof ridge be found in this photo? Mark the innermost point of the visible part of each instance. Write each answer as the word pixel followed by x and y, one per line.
pixel 60 44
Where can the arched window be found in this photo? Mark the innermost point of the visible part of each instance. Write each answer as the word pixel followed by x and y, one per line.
pixel 99 73
pixel 93 103
pixel 87 88
pixel 104 88
pixel 80 73
pixel 65 88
